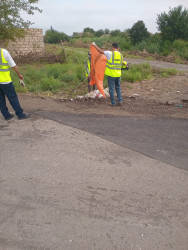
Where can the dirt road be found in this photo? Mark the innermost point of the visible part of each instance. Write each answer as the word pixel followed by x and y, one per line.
pixel 159 64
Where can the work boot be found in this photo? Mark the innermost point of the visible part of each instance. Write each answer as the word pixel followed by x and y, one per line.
pixel 24 116
pixel 113 105
pixel 9 117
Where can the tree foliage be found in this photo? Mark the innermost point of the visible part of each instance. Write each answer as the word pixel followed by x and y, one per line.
pixel 89 30
pixel 138 32
pixel 106 31
pixel 115 32
pixel 54 36
pixel 99 33
pixel 11 22
pixel 174 25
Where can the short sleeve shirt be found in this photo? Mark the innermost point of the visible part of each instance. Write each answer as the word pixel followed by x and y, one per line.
pixel 108 54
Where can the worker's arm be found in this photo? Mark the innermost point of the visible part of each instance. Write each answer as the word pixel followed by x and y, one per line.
pixel 15 68
pixel 97 48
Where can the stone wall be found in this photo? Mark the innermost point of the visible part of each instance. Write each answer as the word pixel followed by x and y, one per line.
pixel 32 42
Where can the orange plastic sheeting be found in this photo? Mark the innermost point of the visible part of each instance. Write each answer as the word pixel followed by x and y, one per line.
pixel 98 65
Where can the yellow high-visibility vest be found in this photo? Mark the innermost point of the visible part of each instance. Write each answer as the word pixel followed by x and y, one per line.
pixel 113 66
pixel 4 69
pixel 87 67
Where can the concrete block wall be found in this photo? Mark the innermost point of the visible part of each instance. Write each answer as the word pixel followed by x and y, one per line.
pixel 32 42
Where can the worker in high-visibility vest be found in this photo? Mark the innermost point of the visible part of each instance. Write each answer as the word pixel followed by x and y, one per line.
pixel 7 88
pixel 125 66
pixel 113 71
pixel 87 71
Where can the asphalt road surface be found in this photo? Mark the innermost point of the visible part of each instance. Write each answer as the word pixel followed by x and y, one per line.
pixel 165 139
pixel 65 188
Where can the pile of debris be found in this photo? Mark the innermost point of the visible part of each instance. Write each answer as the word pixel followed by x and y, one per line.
pixel 95 94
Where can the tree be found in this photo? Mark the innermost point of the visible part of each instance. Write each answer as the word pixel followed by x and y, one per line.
pixel 115 32
pixel 11 22
pixel 89 30
pixel 106 31
pixel 138 32
pixel 174 25
pixel 54 36
pixel 99 33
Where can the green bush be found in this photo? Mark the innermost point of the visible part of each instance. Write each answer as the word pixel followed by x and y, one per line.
pixel 141 46
pixel 54 36
pixel 151 44
pixel 80 72
pixel 180 47
pixel 166 48
pixel 104 41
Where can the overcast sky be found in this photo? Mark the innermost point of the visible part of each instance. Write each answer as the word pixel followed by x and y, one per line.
pixel 70 16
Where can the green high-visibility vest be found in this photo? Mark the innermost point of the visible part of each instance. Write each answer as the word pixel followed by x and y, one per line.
pixel 4 69
pixel 113 66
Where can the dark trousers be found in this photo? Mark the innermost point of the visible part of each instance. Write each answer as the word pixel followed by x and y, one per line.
pixel 89 86
pixel 114 84
pixel 8 90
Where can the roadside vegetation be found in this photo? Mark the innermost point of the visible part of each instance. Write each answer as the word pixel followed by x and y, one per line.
pixel 64 78
pixel 171 41
pixel 62 70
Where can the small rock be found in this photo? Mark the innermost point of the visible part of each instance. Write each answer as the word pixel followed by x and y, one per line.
pixel 168 103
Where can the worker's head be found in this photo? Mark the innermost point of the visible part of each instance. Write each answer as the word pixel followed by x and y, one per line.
pixel 115 46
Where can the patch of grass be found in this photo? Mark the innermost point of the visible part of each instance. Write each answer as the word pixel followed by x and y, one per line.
pixel 137 73
pixel 50 84
pixel 54 70
pixel 133 56
pixel 150 58
pixel 178 60
pixel 75 49
pixel 168 72
pixel 51 77
pixel 76 57
pixel 54 49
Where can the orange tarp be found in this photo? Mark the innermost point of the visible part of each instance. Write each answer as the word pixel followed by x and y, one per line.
pixel 98 65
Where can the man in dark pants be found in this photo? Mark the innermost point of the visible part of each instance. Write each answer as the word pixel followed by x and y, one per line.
pixel 7 88
pixel 113 71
